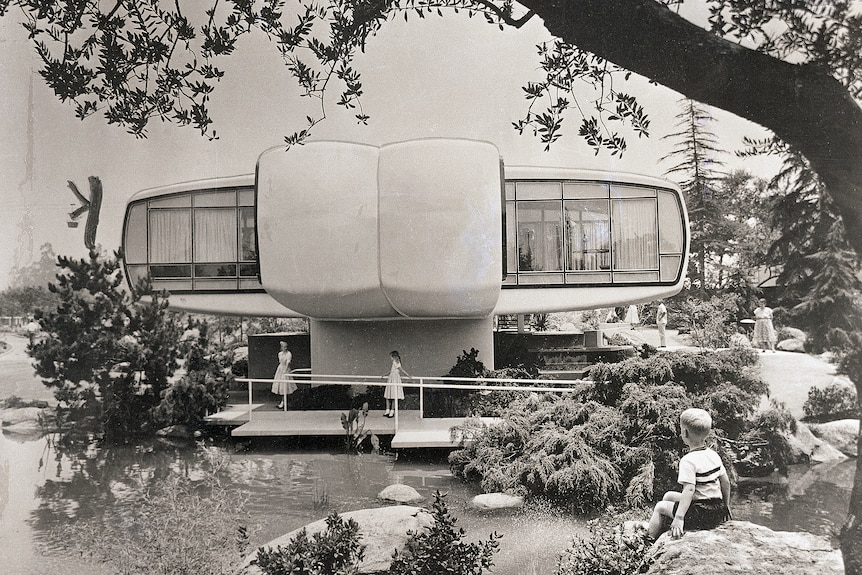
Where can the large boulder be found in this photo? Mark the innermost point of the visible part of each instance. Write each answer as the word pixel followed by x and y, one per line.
pixel 383 530
pixel 796 345
pixel 743 547
pixel 808 448
pixel 491 501
pixel 400 493
pixel 842 434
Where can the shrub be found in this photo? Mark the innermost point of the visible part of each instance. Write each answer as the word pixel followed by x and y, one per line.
pixel 334 550
pixel 454 402
pixel 191 399
pixel 833 402
pixel 606 553
pixel 441 549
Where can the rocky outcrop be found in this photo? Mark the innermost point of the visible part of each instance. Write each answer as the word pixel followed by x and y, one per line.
pixel 743 547
pixel 842 434
pixel 808 448
pixel 383 530
pixel 28 420
pixel 791 345
pixel 492 501
pixel 399 493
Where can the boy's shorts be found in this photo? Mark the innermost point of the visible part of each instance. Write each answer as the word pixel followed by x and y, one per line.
pixel 704 514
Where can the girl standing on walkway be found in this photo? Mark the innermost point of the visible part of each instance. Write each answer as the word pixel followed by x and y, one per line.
pixel 283 384
pixel 764 332
pixel 393 388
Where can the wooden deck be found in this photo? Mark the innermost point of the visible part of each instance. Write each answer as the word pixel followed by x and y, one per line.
pixel 412 432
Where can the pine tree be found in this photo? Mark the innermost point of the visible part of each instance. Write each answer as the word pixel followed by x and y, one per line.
pixel 107 353
pixel 697 152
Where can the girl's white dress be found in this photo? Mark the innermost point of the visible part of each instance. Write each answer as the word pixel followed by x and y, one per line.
pixel 764 332
pixel 283 384
pixel 393 388
pixel 632 315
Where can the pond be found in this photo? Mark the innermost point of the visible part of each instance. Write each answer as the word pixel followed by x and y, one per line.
pixel 290 483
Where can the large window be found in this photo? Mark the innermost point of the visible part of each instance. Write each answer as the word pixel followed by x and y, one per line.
pixel 193 241
pixel 566 232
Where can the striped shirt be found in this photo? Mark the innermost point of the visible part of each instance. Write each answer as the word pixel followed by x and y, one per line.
pixel 702 467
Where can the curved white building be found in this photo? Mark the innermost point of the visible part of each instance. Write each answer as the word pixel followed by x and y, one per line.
pixel 412 246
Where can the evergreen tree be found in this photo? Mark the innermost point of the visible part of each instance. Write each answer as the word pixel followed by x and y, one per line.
pixel 696 152
pixel 107 353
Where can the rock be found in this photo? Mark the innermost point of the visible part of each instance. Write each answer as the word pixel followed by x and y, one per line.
pixel 807 448
pixel 400 494
pixel 27 430
pixel 490 501
pixel 26 414
pixel 176 432
pixel 842 434
pixel 794 333
pixel 743 547
pixel 383 530
pixel 796 345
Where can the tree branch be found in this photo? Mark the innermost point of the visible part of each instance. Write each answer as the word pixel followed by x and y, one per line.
pixel 801 103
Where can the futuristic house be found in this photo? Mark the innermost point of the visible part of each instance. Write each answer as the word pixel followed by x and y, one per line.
pixel 414 246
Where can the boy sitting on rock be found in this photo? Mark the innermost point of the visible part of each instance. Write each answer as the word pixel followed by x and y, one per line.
pixel 705 499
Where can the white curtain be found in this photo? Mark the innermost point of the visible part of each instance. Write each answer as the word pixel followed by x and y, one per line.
pixel 635 234
pixel 539 236
pixel 587 223
pixel 215 235
pixel 170 236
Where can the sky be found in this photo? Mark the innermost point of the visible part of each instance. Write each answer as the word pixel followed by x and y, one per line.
pixel 438 77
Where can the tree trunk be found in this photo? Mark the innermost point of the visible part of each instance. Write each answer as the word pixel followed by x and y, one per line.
pixel 802 104
pixel 851 532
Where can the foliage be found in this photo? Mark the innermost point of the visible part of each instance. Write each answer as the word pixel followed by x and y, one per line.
pixel 454 402
pixel 37 274
pixel 606 553
pixel 336 549
pixel 709 321
pixel 353 424
pixel 819 274
pixel 617 440
pixel 191 399
pixel 441 548
pixel 835 401
pixel 166 530
pixel 107 354
pixel 24 301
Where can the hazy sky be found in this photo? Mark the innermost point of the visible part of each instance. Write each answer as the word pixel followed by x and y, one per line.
pixel 450 77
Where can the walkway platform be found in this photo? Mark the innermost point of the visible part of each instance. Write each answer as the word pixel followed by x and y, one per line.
pixel 413 431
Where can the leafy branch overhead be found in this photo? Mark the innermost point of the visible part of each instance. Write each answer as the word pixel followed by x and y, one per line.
pixel 140 60
pixel 144 60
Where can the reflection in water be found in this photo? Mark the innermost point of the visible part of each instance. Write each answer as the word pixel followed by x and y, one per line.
pixel 45 484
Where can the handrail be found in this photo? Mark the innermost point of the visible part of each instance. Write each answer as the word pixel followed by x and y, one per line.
pixel 567 385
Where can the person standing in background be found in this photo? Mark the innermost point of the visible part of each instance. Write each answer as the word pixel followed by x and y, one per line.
pixel 661 323
pixel 283 384
pixel 393 388
pixel 764 332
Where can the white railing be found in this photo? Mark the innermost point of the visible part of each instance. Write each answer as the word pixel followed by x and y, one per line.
pixel 486 384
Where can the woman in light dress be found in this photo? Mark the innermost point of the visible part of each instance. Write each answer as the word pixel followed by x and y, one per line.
pixel 632 317
pixel 393 388
pixel 283 384
pixel 764 332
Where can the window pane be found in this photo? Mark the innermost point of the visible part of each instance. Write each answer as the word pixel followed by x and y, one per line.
pixel 215 270
pixel 170 236
pixel 540 236
pixel 247 240
pixel 171 271
pixel 539 190
pixel 215 235
pixel 249 270
pixel 511 244
pixel 206 199
pixel 136 235
pixel 635 241
pixel 670 223
pixel 585 190
pixel 246 197
pixel 588 234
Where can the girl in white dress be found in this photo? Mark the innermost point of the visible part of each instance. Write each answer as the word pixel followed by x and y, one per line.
pixel 764 332
pixel 283 384
pixel 393 388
